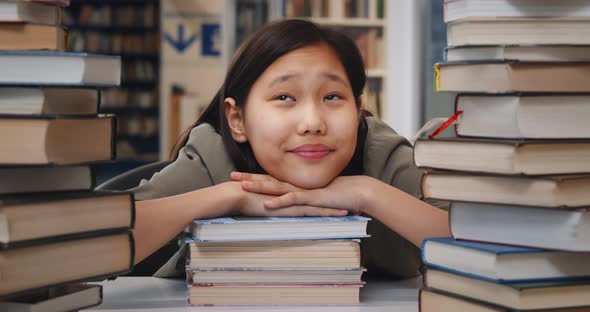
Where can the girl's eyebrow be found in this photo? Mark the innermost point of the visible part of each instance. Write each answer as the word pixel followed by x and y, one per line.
pixel 283 78
pixel 334 77
pixel 327 75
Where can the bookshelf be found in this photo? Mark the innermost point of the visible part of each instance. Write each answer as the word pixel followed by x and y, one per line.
pixel 130 29
pixel 349 22
pixel 363 20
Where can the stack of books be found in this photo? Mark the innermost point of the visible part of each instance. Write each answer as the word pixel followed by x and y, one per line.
pixel 517 172
pixel 258 261
pixel 55 232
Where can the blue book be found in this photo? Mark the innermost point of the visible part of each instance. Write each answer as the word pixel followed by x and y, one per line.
pixel 503 264
pixel 272 228
pixel 50 68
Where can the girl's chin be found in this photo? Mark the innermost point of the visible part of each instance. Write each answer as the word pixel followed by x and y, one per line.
pixel 309 182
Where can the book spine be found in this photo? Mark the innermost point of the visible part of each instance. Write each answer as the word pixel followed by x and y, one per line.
pixel 423 251
pixel 4 228
pixel 110 276
pixel 337 9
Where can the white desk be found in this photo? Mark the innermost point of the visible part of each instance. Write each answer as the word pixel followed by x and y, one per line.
pixel 132 294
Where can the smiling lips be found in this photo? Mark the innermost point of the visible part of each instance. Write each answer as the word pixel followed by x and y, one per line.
pixel 312 151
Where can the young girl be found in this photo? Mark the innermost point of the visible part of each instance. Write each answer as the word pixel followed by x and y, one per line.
pixel 286 135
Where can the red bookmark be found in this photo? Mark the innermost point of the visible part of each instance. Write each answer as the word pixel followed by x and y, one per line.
pixel 446 124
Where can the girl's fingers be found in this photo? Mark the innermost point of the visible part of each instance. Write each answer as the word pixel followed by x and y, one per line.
pixel 268 188
pixel 244 176
pixel 308 211
pixel 289 199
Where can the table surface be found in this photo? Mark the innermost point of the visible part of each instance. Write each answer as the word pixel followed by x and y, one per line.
pixel 167 295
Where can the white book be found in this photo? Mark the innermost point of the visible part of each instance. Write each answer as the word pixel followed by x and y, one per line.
pixel 556 191
pixel 522 53
pixel 547 228
pixel 249 228
pixel 530 116
pixel 511 157
pixel 59 69
pixel 477 9
pixel 509 31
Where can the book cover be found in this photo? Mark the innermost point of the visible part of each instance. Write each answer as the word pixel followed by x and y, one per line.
pixel 40 218
pixel 54 68
pixel 251 220
pixel 503 264
pixel 274 229
pixel 106 256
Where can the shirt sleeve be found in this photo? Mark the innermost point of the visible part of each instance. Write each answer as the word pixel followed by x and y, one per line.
pixel 187 173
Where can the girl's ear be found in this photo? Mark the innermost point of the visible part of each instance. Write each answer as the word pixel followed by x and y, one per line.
pixel 235 120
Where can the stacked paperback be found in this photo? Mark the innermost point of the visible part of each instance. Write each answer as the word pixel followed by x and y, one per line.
pixel 261 261
pixel 517 173
pixel 55 232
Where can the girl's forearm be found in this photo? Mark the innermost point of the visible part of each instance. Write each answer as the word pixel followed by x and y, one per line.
pixel 405 214
pixel 160 220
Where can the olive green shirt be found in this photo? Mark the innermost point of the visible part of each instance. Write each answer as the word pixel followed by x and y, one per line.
pixel 388 157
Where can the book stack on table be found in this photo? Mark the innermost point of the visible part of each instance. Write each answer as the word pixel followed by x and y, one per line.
pixel 260 261
pixel 55 231
pixel 517 173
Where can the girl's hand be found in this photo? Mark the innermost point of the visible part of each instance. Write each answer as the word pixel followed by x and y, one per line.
pixel 263 184
pixel 351 193
pixel 252 204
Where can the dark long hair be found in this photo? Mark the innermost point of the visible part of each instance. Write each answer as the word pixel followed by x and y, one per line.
pixel 254 56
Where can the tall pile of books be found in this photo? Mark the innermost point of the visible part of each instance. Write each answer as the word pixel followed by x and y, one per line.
pixel 259 261
pixel 55 232
pixel 517 172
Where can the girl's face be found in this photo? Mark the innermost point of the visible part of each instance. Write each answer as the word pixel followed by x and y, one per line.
pixel 300 118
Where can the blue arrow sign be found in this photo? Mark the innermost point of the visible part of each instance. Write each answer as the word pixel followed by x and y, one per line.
pixel 180 44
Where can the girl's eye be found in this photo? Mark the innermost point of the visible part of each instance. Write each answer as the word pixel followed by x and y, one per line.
pixel 331 97
pixel 283 97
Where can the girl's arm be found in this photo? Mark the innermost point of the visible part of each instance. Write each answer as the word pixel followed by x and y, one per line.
pixel 403 213
pixel 160 220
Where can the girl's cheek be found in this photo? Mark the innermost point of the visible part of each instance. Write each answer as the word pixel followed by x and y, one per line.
pixel 268 127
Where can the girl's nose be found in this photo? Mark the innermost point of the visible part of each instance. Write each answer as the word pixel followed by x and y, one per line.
pixel 312 120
